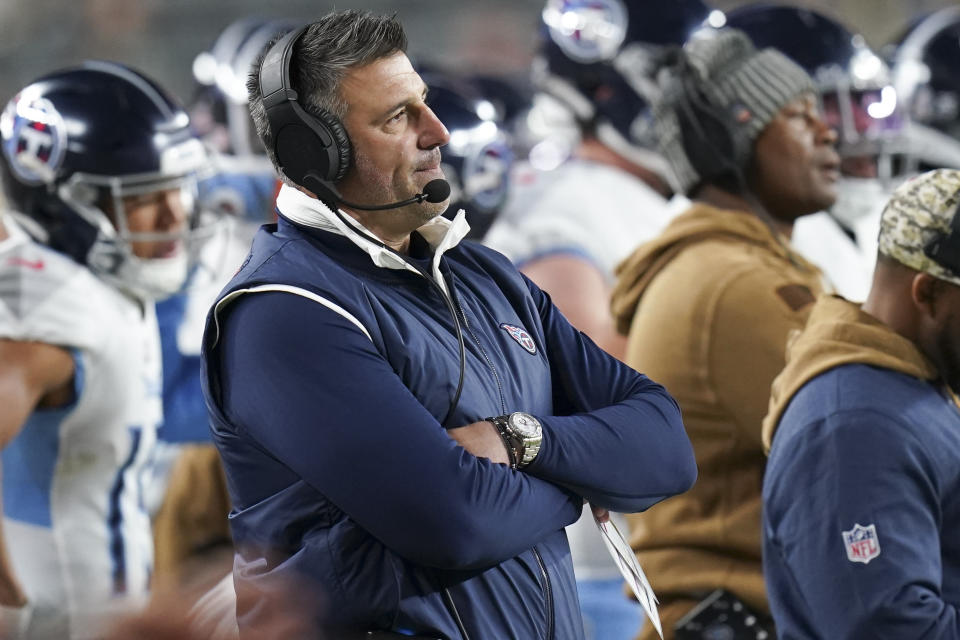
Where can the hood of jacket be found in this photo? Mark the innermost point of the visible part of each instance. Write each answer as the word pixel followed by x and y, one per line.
pixel 699 223
pixel 838 332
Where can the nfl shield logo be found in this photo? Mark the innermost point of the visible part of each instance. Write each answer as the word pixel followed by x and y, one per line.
pixel 521 336
pixel 862 543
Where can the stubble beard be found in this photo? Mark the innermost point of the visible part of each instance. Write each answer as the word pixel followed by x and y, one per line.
pixel 381 190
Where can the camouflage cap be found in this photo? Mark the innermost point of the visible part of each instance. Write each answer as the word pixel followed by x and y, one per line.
pixel 919 210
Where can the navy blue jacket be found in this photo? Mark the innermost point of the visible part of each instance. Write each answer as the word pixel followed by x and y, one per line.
pixel 874 453
pixel 327 413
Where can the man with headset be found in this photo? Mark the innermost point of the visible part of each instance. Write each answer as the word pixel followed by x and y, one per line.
pixel 407 423
pixel 709 304
pixel 861 492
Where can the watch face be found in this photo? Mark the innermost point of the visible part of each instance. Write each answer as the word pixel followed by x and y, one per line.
pixel 525 424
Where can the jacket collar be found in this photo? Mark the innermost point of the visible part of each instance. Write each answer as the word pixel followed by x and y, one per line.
pixel 440 233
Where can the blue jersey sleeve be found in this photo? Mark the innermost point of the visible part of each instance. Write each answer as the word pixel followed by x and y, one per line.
pixel 619 441
pixel 851 531
pixel 184 411
pixel 310 389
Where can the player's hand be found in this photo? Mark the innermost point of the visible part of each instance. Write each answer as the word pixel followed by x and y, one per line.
pixel 482 440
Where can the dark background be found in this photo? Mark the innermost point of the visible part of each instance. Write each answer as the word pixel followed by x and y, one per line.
pixel 161 37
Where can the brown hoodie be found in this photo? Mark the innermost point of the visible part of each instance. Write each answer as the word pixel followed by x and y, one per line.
pixel 708 307
pixel 839 333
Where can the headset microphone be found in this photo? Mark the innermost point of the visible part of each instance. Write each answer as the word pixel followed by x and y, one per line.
pixel 434 191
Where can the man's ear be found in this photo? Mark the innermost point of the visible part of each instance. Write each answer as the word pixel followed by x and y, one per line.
pixel 924 291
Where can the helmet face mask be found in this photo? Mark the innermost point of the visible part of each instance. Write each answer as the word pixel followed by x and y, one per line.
pixel 86 148
pixel 928 83
pixel 477 159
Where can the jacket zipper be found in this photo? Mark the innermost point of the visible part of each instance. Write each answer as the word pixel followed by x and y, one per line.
pixel 547 594
pixel 493 370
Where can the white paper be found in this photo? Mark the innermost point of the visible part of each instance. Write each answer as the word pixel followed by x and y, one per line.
pixel 631 571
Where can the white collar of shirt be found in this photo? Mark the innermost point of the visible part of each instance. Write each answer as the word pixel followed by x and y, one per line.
pixel 440 233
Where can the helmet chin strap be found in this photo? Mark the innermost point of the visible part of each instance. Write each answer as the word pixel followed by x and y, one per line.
pixel 143 278
pixel 154 278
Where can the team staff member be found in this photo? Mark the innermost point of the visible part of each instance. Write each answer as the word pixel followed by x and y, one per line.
pixel 862 492
pixel 709 304
pixel 353 424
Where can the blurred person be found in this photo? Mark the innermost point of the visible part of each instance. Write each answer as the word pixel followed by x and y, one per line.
pixel 359 337
pixel 709 305
pixel 861 491
pixel 566 227
pixel 478 158
pixel 927 82
pixel 187 493
pixel 99 164
pixel 244 182
pixel 859 101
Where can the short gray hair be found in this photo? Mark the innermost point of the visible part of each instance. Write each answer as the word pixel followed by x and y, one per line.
pixel 323 55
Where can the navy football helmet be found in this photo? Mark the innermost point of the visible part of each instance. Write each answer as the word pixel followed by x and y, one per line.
pixel 78 142
pixel 219 109
pixel 600 59
pixel 928 80
pixel 478 158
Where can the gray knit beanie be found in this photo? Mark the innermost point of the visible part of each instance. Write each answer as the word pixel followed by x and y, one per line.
pixel 748 86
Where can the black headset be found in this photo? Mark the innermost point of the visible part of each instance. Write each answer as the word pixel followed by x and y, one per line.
pixel 304 145
pixel 944 247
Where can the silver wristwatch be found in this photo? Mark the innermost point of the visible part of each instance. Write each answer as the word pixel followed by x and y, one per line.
pixel 522 435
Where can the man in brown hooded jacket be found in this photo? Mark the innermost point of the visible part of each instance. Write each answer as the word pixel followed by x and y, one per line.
pixel 709 304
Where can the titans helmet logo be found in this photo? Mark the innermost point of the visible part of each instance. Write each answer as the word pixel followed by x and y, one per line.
pixel 587 30
pixel 34 138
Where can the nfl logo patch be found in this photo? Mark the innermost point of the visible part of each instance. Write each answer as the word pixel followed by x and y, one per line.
pixel 861 543
pixel 521 336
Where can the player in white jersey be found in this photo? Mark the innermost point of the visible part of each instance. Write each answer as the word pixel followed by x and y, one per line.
pixel 568 227
pixel 97 164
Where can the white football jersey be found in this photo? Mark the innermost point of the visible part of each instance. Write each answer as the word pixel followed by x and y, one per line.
pixel 581 208
pixel 822 241
pixel 74 521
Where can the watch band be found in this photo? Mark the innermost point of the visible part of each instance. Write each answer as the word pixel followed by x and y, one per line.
pixel 530 452
pixel 500 422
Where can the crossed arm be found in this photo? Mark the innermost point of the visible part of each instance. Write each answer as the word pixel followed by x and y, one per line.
pixel 335 413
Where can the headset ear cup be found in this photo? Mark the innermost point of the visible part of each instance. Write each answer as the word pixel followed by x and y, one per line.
pixel 341 145
pixel 307 144
pixel 307 147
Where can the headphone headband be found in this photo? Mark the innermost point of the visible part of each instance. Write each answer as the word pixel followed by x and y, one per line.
pixel 306 148
pixel 275 71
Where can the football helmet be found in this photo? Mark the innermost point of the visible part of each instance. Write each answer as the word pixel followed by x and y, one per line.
pixel 478 158
pixel 219 109
pixel 926 77
pixel 600 59
pixel 76 144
